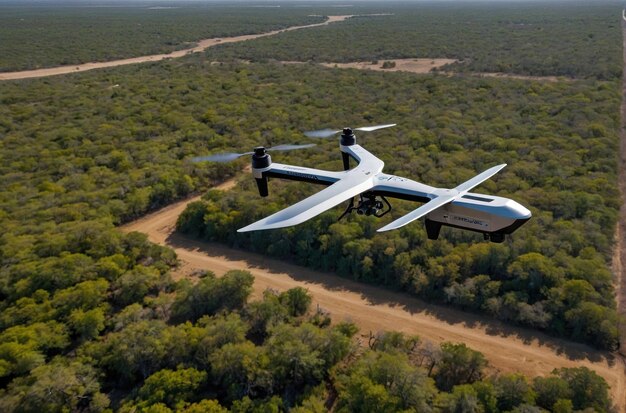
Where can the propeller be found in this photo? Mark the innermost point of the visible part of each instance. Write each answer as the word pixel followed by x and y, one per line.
pixel 327 133
pixel 231 156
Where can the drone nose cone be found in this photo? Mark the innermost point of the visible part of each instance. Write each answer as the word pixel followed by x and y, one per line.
pixel 517 210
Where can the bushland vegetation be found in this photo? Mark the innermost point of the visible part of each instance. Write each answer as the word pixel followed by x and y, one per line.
pixel 557 39
pixel 115 145
pixel 90 318
pixel 559 140
pixel 206 349
pixel 39 35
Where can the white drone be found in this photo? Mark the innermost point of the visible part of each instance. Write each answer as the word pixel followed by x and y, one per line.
pixel 490 215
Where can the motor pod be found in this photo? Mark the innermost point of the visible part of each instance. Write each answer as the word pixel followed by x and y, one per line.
pixel 260 161
pixel 348 138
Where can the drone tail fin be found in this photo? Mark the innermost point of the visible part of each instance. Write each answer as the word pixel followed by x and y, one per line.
pixel 427 208
pixel 478 179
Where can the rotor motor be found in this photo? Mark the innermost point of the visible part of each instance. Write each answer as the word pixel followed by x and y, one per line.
pixel 261 159
pixel 348 138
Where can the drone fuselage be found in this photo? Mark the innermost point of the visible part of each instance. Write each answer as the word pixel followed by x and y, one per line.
pixel 491 215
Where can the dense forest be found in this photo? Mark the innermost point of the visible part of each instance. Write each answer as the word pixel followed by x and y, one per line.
pixel 83 152
pixel 569 39
pixel 91 320
pixel 518 37
pixel 559 140
pixel 39 35
pixel 206 349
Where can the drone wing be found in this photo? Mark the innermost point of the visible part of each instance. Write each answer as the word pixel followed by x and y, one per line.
pixel 479 179
pixel 442 200
pixel 340 191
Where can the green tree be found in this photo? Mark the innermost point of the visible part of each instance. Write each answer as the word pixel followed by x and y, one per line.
pixel 487 395
pixel 595 323
pixel 265 314
pixel 87 324
pixel 361 394
pixel 22 348
pixel 513 390
pixel 588 389
pixel 205 406
pixel 59 386
pixel 134 285
pixel 172 387
pixel 242 370
pixel 133 353
pixel 385 381
pixel 211 294
pixel 534 273
pixel 549 390
pixel 458 365
pixel 297 300
pixel 563 406
pixel 463 399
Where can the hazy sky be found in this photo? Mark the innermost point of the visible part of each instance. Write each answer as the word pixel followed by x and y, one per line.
pixel 299 1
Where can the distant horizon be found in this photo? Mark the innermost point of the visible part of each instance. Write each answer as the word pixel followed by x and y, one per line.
pixel 350 2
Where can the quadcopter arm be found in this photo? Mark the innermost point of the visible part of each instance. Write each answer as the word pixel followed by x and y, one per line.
pixel 298 173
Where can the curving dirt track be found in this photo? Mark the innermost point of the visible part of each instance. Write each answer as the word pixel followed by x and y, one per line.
pixel 201 46
pixel 373 309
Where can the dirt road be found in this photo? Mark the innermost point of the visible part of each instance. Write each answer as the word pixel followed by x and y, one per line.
pixel 201 46
pixel 507 348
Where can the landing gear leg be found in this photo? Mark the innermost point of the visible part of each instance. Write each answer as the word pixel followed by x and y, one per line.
pixel 432 229
pixel 348 209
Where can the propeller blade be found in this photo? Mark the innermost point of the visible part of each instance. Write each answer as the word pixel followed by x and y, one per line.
pixel 373 128
pixel 327 133
pixel 289 147
pixel 220 157
pixel 323 133
pixel 231 156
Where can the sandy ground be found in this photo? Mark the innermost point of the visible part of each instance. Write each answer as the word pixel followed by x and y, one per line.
pixel 426 65
pixel 402 65
pixel 421 66
pixel 374 309
pixel 201 46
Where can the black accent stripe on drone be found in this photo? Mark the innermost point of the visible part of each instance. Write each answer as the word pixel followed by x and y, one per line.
pixel 397 195
pixel 477 198
pixel 299 176
pixel 506 230
pixel 514 226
